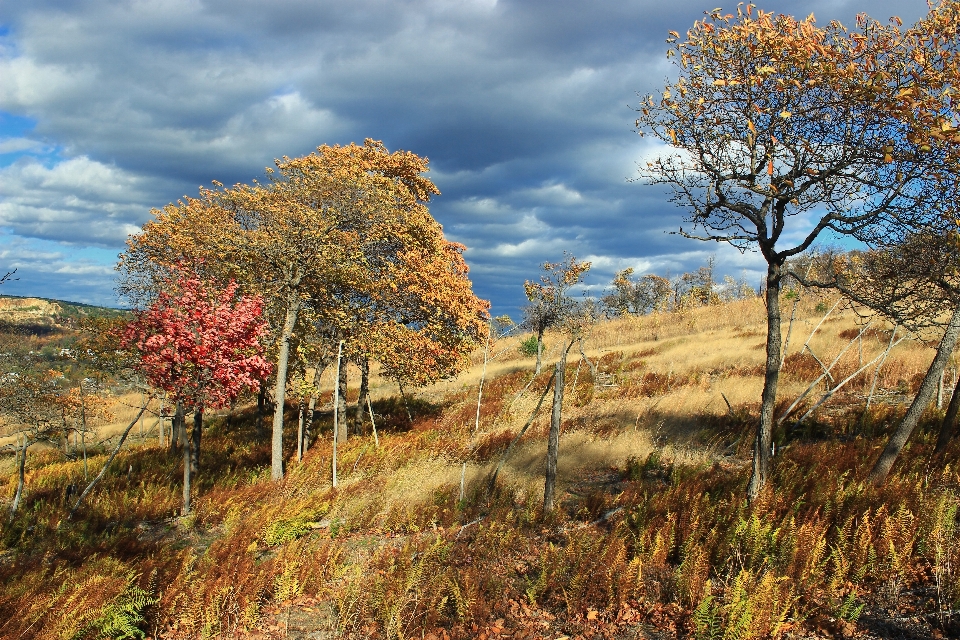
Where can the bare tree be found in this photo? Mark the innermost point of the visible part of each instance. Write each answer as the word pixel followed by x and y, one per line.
pixel 914 283
pixel 777 142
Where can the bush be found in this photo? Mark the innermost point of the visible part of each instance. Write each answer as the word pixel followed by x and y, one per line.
pixel 528 347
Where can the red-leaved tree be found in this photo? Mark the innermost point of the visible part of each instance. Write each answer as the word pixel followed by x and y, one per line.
pixel 203 345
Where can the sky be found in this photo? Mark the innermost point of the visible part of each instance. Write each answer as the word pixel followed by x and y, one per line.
pixel 110 108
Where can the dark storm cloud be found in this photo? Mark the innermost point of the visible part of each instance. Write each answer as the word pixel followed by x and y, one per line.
pixel 522 107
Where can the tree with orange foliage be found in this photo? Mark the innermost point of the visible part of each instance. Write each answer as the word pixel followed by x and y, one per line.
pixel 550 303
pixel 784 131
pixel 322 240
pixel 552 298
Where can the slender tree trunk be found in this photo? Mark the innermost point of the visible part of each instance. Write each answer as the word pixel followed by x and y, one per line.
pixel 106 465
pixel 301 419
pixel 186 477
pixel 553 444
pixel 373 423
pixel 341 405
pixel 311 407
pixel 949 421
pixel 406 406
pixel 143 397
pixel 308 422
pixel 483 376
pixel 764 439
pixel 506 454
pixel 160 425
pixel 593 368
pixel 536 371
pixel 195 442
pixel 21 475
pixel 336 413
pixel 280 391
pixel 876 375
pixel 927 388
pixel 261 408
pixel 83 429
pixel 177 426
pixel 362 400
pixel 65 433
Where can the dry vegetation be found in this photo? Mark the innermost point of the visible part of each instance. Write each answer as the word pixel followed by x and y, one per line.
pixel 654 538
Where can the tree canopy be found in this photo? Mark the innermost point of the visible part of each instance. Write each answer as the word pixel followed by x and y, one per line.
pixel 340 239
pixel 782 130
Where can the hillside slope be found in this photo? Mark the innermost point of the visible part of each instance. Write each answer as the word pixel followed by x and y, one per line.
pixel 652 538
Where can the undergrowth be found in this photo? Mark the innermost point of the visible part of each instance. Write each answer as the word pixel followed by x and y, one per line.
pixel 395 552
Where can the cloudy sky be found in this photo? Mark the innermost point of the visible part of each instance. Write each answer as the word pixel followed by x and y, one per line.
pixel 109 108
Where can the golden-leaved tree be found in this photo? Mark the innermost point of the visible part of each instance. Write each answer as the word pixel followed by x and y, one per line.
pixel 330 236
pixel 783 131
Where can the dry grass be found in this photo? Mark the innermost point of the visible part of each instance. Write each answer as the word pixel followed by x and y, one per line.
pixel 394 552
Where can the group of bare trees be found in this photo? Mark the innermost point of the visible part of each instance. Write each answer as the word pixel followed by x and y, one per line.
pixel 631 295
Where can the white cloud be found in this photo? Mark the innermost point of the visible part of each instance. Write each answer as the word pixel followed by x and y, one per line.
pixel 77 201
pixel 16 145
pixel 523 108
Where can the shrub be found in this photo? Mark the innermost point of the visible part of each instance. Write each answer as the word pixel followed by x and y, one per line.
pixel 528 347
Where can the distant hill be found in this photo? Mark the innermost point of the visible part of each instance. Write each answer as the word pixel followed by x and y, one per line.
pixel 47 313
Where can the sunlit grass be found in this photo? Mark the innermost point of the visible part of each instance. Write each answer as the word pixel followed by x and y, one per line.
pixel 394 551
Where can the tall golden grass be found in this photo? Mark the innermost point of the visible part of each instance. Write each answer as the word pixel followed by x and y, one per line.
pixel 652 527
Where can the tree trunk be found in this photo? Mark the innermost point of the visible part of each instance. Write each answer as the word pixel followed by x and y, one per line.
pixel 483 376
pixel 195 443
pixel 280 391
pixel 186 477
pixel 373 423
pixel 949 421
pixel 160 425
pixel 593 368
pixel 301 419
pixel 764 439
pixel 536 371
pixel 65 433
pixel 406 406
pixel 261 408
pixel 491 483
pixel 21 476
pixel 177 427
pixel 83 429
pixel 341 408
pixel 364 363
pixel 308 422
pixel 553 444
pixel 311 407
pixel 336 413
pixel 927 388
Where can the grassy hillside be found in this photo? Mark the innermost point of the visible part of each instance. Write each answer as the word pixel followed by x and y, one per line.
pixel 653 538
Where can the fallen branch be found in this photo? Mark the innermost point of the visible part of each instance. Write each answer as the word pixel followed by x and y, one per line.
pixel 830 393
pixel 469 524
pixel 106 465
pixel 826 373
pixel 506 454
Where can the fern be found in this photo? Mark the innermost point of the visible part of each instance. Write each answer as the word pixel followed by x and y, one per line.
pixel 849 610
pixel 706 619
pixel 288 530
pixel 122 617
